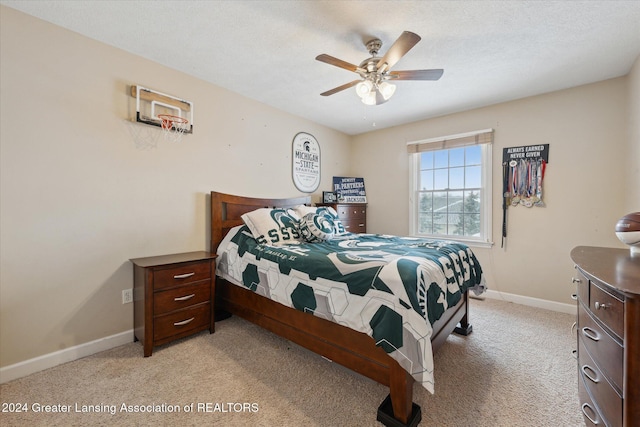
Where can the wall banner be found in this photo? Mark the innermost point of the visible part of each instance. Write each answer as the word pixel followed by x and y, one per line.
pixel 306 162
pixel 349 190
pixel 526 152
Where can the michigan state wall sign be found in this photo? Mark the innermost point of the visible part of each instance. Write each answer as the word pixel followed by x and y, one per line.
pixel 306 162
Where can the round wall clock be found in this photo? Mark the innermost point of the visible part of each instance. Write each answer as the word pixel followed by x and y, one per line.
pixel 306 162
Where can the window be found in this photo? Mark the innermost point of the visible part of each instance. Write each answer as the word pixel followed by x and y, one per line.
pixel 451 187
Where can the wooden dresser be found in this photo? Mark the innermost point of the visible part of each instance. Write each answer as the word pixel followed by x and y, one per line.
pixel 608 294
pixel 172 297
pixel 352 215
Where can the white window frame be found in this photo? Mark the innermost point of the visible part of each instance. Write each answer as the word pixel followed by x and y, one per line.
pixel 486 193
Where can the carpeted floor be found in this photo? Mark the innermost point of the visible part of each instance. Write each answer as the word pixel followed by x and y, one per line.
pixel 515 369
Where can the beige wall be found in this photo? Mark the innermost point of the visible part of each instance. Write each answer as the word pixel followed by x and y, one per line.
pixel 584 187
pixel 79 195
pixel 633 155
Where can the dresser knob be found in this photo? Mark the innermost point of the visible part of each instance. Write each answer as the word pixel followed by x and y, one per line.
pixel 601 306
pixel 574 280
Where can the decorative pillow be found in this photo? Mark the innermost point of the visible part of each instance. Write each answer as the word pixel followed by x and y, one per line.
pixel 326 211
pixel 331 213
pixel 316 228
pixel 273 227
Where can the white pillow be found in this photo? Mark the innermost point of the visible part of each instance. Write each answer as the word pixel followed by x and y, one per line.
pixel 272 227
pixel 316 228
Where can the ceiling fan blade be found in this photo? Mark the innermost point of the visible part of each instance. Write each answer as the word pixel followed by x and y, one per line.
pixel 337 62
pixel 340 88
pixel 416 74
pixel 400 47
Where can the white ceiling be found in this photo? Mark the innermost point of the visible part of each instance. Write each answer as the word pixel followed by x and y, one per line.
pixel 491 51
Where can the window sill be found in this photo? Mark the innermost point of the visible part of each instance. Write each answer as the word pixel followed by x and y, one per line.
pixel 469 242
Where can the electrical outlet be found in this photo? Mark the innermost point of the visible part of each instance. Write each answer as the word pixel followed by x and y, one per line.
pixel 127 296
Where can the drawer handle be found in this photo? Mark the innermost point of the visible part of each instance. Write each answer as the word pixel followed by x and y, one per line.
pixel 184 322
pixel 591 334
pixel 183 276
pixel 592 374
pixel 601 306
pixel 574 297
pixel 574 280
pixel 574 326
pixel 575 354
pixel 184 298
pixel 586 405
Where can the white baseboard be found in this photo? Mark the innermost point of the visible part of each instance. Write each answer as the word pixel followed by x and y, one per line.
pixel 22 369
pixel 532 302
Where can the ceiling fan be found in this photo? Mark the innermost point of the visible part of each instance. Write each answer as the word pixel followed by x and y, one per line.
pixel 373 87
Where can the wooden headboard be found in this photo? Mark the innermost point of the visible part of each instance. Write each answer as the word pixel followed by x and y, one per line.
pixel 227 210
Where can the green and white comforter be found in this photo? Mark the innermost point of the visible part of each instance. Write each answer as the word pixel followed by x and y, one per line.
pixel 391 288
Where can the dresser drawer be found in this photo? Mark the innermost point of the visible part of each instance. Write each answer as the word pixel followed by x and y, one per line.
pixel 592 417
pixel 181 274
pixel 601 346
pixel 182 297
pixel 348 212
pixel 609 401
pixel 608 308
pixel 355 225
pixel 181 321
pixel 582 287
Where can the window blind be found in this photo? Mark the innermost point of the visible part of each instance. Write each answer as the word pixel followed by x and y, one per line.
pixel 452 141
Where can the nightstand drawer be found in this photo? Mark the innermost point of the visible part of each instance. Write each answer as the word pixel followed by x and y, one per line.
pixel 607 308
pixel 182 297
pixel 602 347
pixel 181 274
pixel 181 321
pixel 609 401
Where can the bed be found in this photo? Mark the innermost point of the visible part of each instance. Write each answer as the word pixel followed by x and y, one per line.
pixel 361 352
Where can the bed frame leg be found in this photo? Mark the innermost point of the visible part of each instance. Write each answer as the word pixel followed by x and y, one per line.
pixel 397 409
pixel 464 327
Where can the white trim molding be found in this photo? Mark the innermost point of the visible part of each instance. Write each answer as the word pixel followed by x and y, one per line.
pixel 40 363
pixel 531 302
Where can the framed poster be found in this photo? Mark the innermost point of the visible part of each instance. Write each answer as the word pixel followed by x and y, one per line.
pixel 306 162
pixel 349 190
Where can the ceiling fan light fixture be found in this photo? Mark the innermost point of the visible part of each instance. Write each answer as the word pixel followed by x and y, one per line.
pixel 386 90
pixel 370 98
pixel 364 88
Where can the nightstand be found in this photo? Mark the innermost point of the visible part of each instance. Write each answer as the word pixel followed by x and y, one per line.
pixel 173 297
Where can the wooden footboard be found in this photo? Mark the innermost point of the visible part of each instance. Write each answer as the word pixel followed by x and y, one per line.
pixel 352 349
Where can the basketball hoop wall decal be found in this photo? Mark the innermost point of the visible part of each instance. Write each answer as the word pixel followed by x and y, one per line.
pixel 173 115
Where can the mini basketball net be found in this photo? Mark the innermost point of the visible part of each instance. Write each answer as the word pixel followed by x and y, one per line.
pixel 173 127
pixel 173 115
